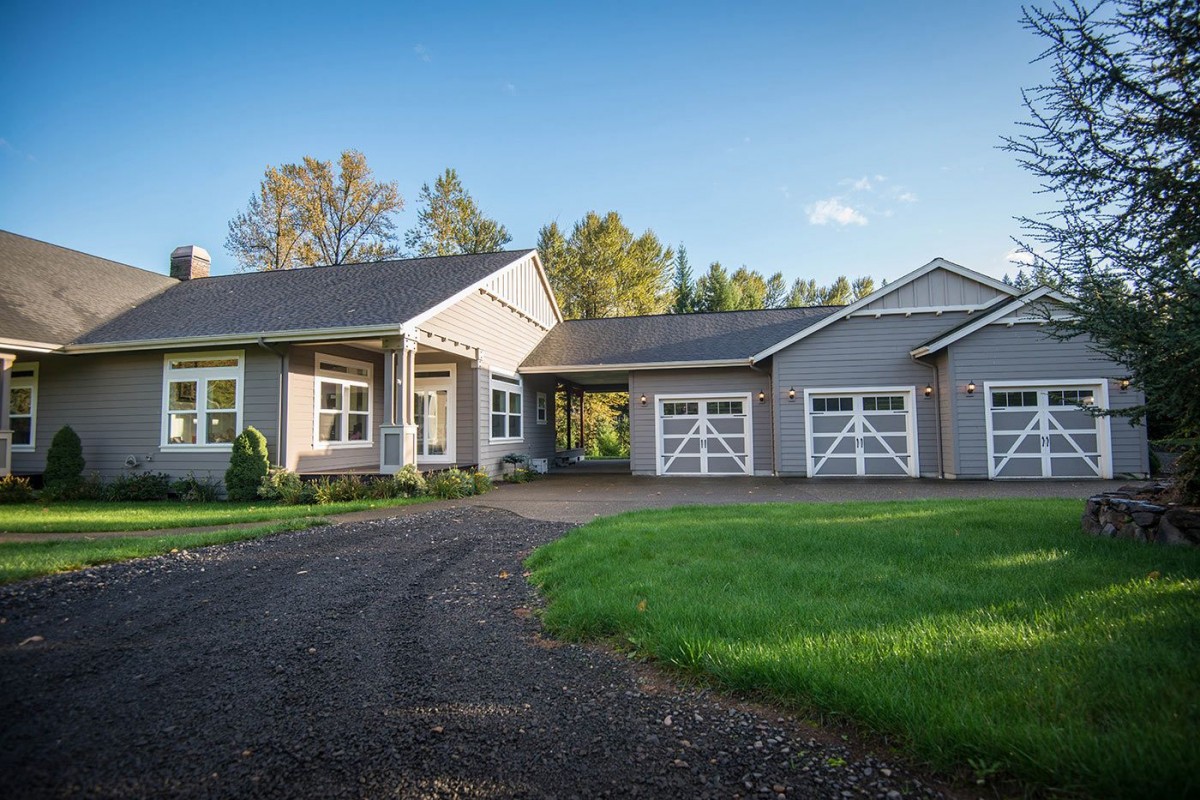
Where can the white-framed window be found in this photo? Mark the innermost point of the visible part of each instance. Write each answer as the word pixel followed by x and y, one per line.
pixel 22 406
pixel 506 408
pixel 542 413
pixel 434 409
pixel 202 399
pixel 342 402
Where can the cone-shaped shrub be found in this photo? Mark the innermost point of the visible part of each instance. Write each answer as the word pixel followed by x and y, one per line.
pixel 247 466
pixel 64 461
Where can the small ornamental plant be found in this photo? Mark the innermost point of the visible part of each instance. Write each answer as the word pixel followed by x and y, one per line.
pixel 64 462
pixel 248 465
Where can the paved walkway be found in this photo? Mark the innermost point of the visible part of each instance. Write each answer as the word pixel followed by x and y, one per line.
pixel 581 496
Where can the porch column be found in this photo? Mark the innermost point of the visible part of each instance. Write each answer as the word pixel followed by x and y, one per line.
pixel 398 429
pixel 582 426
pixel 569 396
pixel 6 362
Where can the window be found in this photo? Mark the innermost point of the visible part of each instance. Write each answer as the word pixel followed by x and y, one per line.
pixel 202 399
pixel 22 405
pixel 434 408
pixel 506 407
pixel 343 401
pixel 723 407
pixel 886 403
pixel 541 408
pixel 680 409
pixel 820 404
pixel 1071 397
pixel 1014 400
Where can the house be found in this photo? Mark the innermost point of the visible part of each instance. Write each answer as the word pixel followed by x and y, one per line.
pixel 456 361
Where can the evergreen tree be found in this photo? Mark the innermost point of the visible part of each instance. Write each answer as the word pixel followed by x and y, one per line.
pixel 685 289
pixel 64 462
pixel 713 289
pixel 449 222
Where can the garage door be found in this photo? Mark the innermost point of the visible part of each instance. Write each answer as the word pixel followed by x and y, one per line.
pixel 707 435
pixel 1045 432
pixel 853 432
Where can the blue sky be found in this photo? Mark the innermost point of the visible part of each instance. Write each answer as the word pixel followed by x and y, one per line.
pixel 811 138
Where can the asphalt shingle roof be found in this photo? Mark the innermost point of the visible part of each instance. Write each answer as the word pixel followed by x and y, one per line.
pixel 671 337
pixel 53 295
pixel 313 298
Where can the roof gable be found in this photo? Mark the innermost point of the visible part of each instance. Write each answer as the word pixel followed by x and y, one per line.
pixel 921 281
pixel 997 312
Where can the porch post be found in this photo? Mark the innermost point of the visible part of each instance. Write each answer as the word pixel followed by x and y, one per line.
pixel 6 362
pixel 582 421
pixel 398 430
pixel 569 395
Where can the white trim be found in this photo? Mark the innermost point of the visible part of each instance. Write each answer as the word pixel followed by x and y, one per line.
pixel 509 389
pixel 17 383
pixel 937 311
pixel 345 380
pixel 451 385
pixel 30 346
pixel 541 409
pixel 429 313
pixel 937 263
pixel 1103 424
pixel 306 335
pixel 914 467
pixel 746 398
pixel 728 362
pixel 201 375
pixel 1002 311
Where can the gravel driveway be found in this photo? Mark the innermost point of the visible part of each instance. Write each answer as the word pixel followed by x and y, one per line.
pixel 379 658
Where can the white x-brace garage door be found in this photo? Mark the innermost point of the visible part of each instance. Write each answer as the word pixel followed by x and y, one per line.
pixel 1041 430
pixel 861 431
pixel 703 435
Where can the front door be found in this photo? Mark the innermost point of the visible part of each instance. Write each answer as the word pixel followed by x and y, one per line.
pixel 434 409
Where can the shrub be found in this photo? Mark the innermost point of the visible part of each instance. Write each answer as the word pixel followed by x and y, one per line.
pixel 341 489
pixel 515 458
pixel 247 465
pixel 197 490
pixel 64 461
pixel 15 490
pixel 139 487
pixel 522 475
pixel 451 484
pixel 90 488
pixel 409 482
pixel 482 481
pixel 284 486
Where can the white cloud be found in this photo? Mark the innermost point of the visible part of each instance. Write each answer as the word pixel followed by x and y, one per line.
pixel 833 210
pixel 1019 255
pixel 863 184
pixel 423 53
pixel 907 197
pixel 787 194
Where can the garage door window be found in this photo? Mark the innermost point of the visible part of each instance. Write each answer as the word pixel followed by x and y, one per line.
pixel 723 407
pixel 680 409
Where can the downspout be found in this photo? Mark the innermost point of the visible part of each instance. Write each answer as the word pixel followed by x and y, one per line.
pixel 937 410
pixel 281 425
pixel 774 409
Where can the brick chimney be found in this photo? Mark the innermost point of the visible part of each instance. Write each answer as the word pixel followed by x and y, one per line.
pixel 189 262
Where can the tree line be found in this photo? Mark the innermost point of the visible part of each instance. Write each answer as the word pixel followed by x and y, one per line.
pixel 318 212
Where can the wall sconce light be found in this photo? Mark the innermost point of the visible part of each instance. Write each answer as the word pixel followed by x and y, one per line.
pixel 1124 384
pixel 971 387
pixel 643 399
pixel 762 396
pixel 792 393
pixel 929 390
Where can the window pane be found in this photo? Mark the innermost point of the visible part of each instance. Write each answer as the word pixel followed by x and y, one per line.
pixel 329 427
pixel 19 400
pixel 331 396
pixel 498 396
pixel 358 398
pixel 206 363
pixel 222 394
pixel 221 428
pixel 497 426
pixel 514 426
pixel 181 396
pixel 182 429
pixel 358 427
pixel 20 430
pixel 514 403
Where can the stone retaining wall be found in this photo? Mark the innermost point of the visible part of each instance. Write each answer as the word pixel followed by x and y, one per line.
pixel 1126 514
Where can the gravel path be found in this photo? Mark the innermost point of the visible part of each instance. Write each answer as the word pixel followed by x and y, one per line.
pixel 389 657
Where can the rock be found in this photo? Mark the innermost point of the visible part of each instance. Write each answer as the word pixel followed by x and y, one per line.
pixel 1180 526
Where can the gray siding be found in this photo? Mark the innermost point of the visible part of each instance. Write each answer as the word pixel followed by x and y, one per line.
pixel 504 335
pixel 537 440
pixel 1025 352
pixel 940 287
pixel 303 454
pixel 465 439
pixel 944 397
pixel 858 352
pixel 642 445
pixel 114 402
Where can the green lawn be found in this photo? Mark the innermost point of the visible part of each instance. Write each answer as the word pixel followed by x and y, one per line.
pixel 991 633
pixel 20 560
pixel 89 517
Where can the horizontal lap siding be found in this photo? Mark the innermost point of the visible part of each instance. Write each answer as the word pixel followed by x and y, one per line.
pixel 1025 352
pixel 653 383
pixel 858 352
pixel 114 402
pixel 504 336
pixel 537 440
pixel 304 455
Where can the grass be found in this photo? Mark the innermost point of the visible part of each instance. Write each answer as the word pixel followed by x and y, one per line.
pixel 986 632
pixel 94 517
pixel 21 560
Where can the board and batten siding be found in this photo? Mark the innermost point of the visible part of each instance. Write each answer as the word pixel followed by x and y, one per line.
pixel 504 336
pixel 1025 352
pixel 859 352
pixel 304 454
pixel 654 383
pixel 521 287
pixel 115 403
pixel 941 287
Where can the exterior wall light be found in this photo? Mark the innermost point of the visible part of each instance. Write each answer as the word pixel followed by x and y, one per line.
pixel 643 399
pixel 971 387
pixel 792 393
pixel 762 396
pixel 1124 384
pixel 929 390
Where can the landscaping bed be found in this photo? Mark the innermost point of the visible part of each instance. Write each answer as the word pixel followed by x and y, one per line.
pixel 991 635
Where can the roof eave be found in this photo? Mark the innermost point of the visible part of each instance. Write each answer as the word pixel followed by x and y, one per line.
pixel 724 362
pixel 309 335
